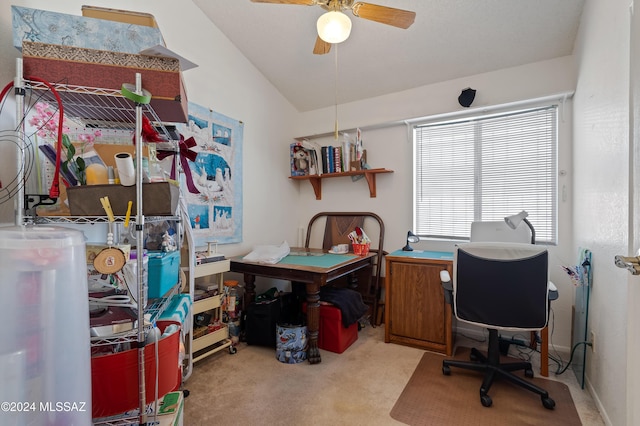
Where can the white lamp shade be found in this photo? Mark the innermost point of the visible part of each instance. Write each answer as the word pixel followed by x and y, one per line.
pixel 334 27
pixel 514 220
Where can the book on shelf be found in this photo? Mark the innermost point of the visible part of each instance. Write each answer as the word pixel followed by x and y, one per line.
pixel 331 160
pixel 325 159
pixel 51 155
pixel 337 159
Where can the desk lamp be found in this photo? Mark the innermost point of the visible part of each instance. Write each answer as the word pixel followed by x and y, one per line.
pixel 514 220
pixel 411 238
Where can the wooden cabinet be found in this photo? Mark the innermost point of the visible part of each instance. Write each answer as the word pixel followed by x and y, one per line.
pixel 415 310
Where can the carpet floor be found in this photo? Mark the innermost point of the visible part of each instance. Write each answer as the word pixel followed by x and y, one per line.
pixel 431 398
pixel 358 387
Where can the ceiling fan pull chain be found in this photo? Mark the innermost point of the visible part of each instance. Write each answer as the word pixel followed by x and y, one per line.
pixel 336 93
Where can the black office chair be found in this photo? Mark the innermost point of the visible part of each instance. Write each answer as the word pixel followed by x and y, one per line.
pixel 499 286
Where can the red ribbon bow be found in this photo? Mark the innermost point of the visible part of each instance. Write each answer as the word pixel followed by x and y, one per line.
pixel 186 154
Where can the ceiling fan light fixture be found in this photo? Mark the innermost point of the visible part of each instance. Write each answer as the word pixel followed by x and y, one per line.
pixel 334 27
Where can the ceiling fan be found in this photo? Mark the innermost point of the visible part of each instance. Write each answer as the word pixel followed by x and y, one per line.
pixel 334 26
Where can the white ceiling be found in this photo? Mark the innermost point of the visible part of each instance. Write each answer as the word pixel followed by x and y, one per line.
pixel 450 39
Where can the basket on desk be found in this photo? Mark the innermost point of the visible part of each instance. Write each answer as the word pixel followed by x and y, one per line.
pixel 361 249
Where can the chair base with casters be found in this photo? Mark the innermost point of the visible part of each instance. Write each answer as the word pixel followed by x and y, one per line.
pixel 494 369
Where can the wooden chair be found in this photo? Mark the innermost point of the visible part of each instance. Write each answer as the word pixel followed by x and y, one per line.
pixel 337 226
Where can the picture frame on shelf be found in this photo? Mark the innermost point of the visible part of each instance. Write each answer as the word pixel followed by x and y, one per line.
pixel 304 161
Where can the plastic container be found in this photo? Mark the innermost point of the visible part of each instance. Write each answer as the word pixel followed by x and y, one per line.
pixel 164 272
pixel 361 249
pixel 45 342
pixel 233 299
pixel 130 271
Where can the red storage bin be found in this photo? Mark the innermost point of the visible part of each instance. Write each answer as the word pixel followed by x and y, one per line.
pixel 332 334
pixel 114 377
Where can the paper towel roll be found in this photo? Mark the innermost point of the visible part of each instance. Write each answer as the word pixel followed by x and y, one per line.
pixel 126 171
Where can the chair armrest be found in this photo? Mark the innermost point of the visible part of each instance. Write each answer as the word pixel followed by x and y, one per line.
pixel 447 285
pixel 553 291
pixel 445 278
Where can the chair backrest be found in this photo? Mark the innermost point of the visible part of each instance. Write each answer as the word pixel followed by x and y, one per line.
pixel 337 225
pixel 501 285
pixel 499 231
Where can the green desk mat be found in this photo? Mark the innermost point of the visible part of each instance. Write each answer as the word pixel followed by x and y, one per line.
pixel 325 260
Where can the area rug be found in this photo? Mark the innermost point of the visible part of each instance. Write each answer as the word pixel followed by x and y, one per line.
pixel 431 398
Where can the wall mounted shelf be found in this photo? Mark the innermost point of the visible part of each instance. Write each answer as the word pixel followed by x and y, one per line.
pixel 369 174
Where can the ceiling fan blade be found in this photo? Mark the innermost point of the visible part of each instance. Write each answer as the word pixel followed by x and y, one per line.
pixel 303 2
pixel 383 14
pixel 321 47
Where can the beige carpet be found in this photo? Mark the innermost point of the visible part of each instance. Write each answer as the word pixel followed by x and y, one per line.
pixel 431 398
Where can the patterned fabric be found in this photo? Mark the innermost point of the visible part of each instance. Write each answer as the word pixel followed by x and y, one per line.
pixel 71 30
pixel 93 56
pixel 291 344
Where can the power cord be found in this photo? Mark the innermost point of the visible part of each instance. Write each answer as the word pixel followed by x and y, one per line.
pixel 557 359
pixel 571 357
pixel 119 300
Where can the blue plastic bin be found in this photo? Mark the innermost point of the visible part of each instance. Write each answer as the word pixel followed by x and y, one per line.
pixel 164 272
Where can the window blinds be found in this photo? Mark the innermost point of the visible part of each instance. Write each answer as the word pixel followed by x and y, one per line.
pixel 486 168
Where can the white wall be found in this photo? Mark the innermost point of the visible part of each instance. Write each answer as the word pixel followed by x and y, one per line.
pixel 224 81
pixel 601 194
pixel 391 148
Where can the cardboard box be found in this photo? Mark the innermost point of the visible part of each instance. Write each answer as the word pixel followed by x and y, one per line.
pixel 117 15
pixel 161 76
pixel 72 30
pixel 158 199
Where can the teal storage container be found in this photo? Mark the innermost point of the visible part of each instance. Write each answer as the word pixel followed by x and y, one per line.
pixel 164 272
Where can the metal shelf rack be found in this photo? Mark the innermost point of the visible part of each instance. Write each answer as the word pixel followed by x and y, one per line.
pixel 103 108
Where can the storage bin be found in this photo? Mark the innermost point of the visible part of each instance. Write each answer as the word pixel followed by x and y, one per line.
pixel 164 270
pixel 161 76
pixel 158 199
pixel 361 249
pixel 332 334
pixel 44 338
pixel 291 343
pixel 73 30
pixel 117 15
pixel 114 377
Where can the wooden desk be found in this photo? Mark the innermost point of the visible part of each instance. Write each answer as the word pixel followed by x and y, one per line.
pixel 416 313
pixel 413 280
pixel 314 268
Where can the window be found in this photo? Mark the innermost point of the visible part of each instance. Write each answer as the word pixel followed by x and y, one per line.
pixel 486 168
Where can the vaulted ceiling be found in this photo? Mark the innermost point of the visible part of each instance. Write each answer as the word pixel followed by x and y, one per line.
pixel 449 39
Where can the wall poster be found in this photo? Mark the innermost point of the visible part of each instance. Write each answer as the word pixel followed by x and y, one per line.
pixel 212 187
